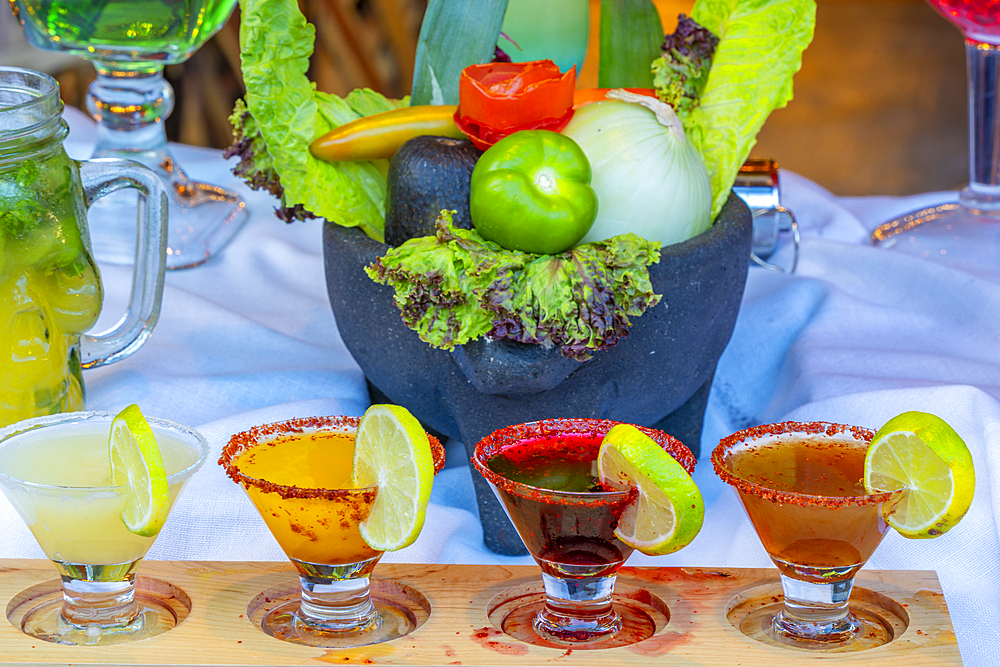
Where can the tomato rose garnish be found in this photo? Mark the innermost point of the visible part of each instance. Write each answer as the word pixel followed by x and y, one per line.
pixel 498 99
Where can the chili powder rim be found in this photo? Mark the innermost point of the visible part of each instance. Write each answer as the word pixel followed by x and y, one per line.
pixel 492 444
pixel 246 440
pixel 726 445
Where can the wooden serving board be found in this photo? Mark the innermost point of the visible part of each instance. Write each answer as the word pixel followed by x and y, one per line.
pixel 459 631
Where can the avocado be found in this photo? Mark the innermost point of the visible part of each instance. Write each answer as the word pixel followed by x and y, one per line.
pixel 428 174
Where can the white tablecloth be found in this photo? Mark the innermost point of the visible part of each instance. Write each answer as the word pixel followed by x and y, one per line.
pixel 856 335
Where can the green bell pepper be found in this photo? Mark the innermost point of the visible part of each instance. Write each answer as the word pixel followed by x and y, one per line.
pixel 531 192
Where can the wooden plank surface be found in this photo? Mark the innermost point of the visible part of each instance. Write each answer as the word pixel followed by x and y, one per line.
pixel 459 632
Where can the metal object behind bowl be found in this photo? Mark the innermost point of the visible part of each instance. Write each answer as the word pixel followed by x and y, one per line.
pixel 757 184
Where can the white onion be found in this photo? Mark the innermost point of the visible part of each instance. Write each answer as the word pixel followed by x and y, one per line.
pixel 649 179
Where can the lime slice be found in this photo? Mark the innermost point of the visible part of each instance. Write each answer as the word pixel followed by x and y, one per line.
pixel 136 464
pixel 920 454
pixel 669 510
pixel 391 450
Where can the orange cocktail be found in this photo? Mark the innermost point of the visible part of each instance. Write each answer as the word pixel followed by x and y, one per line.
pixel 318 521
pixel 826 541
pixel 299 476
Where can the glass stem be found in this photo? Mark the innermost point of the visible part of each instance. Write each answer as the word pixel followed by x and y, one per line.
pixel 99 603
pixel 578 610
pixel 337 598
pixel 982 195
pixel 816 611
pixel 338 606
pixel 130 108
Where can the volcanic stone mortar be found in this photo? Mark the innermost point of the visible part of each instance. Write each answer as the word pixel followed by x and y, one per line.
pixel 658 376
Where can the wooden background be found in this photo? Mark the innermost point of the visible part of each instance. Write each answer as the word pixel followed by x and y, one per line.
pixel 879 108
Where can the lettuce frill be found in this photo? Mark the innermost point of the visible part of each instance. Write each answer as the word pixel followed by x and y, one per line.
pixel 455 287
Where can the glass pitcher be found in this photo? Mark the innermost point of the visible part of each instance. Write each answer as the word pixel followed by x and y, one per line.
pixel 50 288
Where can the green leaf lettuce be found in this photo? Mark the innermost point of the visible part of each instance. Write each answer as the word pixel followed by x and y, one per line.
pixel 456 287
pixel 760 49
pixel 288 113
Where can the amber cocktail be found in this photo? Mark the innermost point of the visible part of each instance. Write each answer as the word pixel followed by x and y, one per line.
pixel 298 474
pixel 801 485
pixel 543 473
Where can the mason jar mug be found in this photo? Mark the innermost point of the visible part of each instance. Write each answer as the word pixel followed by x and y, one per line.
pixel 50 286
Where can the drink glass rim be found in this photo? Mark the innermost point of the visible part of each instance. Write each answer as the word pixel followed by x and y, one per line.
pixel 46 86
pixel 492 445
pixel 256 435
pixel 772 433
pixel 7 433
pixel 33 117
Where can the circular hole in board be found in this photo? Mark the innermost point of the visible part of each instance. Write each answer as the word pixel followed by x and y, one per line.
pixel 35 611
pixel 882 618
pixel 403 610
pixel 513 609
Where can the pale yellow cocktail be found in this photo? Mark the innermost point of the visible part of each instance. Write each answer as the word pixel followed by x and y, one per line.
pixel 57 473
pixel 66 497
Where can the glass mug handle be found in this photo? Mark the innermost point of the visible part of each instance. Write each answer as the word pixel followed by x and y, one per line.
pixel 101 177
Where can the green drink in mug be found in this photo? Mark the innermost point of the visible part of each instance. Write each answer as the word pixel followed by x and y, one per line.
pixel 50 287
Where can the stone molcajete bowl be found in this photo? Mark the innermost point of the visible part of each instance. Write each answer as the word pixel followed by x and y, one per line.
pixel 658 376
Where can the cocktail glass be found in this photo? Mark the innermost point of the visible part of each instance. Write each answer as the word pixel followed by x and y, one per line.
pixel 543 474
pixel 56 472
pixel 130 42
pixel 298 473
pixel 801 486
pixel 974 220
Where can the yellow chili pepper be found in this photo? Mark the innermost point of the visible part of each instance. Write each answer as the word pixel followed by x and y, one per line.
pixel 380 135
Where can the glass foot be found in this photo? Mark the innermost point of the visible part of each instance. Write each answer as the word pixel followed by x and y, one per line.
pixel 283 623
pixel 130 108
pixel 864 630
pixel 788 629
pixel 949 234
pixel 562 624
pixel 401 609
pixel 880 619
pixel 202 220
pixel 514 611
pixel 578 608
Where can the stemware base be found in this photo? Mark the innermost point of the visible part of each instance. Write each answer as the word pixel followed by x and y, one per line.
pixel 578 609
pixel 881 620
pixel 949 234
pixel 514 610
pixel 866 630
pixel 202 218
pixel 401 610
pixel 37 611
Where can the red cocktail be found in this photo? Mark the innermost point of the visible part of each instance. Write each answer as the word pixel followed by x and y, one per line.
pixel 544 474
pixel 949 230
pixel 977 19
pixel 801 485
